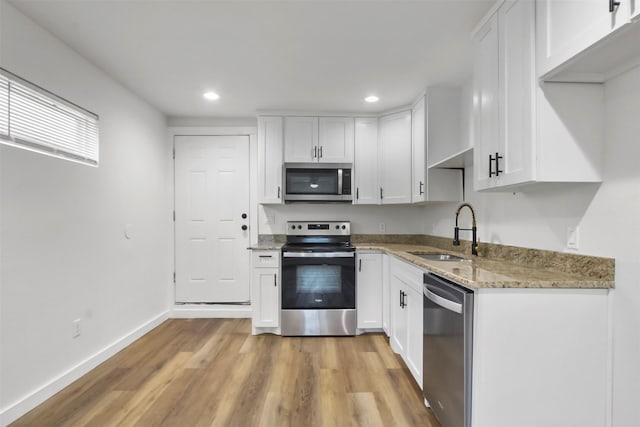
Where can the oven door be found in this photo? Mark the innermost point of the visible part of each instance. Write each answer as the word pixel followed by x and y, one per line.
pixel 318 280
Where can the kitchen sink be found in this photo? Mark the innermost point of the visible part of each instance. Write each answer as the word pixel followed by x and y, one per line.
pixel 438 257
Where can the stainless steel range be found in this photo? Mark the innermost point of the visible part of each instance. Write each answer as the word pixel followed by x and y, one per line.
pixel 318 279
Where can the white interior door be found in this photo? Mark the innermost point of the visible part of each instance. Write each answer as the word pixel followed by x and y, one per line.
pixel 211 197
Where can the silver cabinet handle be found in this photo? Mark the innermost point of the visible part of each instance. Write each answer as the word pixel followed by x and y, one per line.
pixel 278 191
pixel 321 151
pixel 360 265
pixel 421 189
pixel 315 152
pixel 275 280
pixel 265 256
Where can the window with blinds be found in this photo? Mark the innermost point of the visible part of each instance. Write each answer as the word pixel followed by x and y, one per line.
pixel 35 119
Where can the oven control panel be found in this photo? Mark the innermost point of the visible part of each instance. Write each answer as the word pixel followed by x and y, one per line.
pixel 318 228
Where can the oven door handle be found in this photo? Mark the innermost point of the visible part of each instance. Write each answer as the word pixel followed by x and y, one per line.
pixel 318 254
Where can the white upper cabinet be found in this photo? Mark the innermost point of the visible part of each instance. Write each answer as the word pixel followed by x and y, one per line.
pixel 566 28
pixel 526 132
pixel 300 139
pixel 270 159
pixel 336 139
pixel 634 10
pixel 485 103
pixel 435 123
pixel 419 152
pixel 394 158
pixel 516 41
pixel 586 41
pixel 365 166
pixel 313 139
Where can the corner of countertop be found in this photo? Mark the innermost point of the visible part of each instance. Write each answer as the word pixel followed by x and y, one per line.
pixel 590 268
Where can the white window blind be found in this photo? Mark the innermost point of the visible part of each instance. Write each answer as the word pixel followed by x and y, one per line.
pixel 4 106
pixel 40 121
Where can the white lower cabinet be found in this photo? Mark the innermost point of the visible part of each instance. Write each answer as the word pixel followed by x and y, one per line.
pixel 369 290
pixel 265 291
pixel 541 357
pixel 386 295
pixel 406 315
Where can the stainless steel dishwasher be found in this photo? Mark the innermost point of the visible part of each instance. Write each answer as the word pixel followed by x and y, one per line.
pixel 447 351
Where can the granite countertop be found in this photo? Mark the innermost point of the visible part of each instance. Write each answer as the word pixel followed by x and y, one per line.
pixel 480 272
pixel 266 246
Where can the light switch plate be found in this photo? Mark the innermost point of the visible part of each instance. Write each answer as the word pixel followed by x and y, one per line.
pixel 572 237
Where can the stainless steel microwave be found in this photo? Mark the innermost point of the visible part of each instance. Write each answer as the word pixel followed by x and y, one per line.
pixel 317 182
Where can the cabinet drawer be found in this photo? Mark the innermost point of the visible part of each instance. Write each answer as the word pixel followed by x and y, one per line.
pixel 265 259
pixel 408 273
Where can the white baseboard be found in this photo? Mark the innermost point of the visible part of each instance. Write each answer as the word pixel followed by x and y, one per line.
pixel 193 311
pixel 35 398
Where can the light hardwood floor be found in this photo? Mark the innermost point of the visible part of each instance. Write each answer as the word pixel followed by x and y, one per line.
pixel 213 372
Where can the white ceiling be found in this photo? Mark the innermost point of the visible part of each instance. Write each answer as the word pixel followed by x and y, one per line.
pixel 290 55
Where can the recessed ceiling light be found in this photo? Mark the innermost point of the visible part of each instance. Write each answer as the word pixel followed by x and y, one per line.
pixel 211 96
pixel 371 98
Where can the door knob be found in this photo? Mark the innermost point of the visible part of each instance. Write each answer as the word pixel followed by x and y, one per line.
pixel 244 227
pixel 244 216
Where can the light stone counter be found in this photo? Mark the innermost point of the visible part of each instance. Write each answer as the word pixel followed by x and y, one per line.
pixel 479 272
pixel 268 246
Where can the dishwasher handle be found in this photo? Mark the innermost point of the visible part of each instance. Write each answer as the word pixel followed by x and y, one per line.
pixel 443 302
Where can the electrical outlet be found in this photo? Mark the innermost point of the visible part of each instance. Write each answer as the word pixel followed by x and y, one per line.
pixel 76 329
pixel 382 227
pixel 572 237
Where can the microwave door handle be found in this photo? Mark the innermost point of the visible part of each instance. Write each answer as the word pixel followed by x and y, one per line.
pixel 340 181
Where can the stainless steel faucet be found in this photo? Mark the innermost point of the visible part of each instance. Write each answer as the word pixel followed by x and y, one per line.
pixel 473 229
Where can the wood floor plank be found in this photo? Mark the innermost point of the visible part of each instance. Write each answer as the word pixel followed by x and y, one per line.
pixel 212 372
pixel 364 410
pixel 149 392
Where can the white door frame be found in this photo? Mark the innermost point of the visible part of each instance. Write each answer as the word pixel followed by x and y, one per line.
pixel 217 310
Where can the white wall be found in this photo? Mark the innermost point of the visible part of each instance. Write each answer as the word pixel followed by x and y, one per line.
pixel 608 216
pixel 63 251
pixel 364 219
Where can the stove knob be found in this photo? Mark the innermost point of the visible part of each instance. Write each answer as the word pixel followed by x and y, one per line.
pixel 299 227
pixel 337 227
pixel 293 227
pixel 344 227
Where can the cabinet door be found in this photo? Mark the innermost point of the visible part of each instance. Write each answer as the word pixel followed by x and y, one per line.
pixel 414 309
pixel 418 152
pixel 485 108
pixel 270 159
pixel 394 158
pixel 335 140
pixel 369 291
pixel 386 302
pixel 365 166
pixel 566 28
pixel 517 93
pixel 634 9
pixel 300 139
pixel 265 294
pixel 399 318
